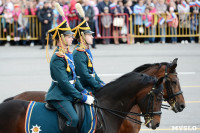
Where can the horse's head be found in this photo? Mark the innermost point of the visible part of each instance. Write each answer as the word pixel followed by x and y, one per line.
pixel 172 89
pixel 149 101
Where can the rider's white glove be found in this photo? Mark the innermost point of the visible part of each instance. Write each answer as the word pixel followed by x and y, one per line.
pixel 90 100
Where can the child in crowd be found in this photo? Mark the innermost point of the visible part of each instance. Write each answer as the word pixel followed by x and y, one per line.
pixel 16 12
pixel 23 25
pixel 172 21
pixel 147 18
pixel 7 21
pixel 154 22
pixel 106 21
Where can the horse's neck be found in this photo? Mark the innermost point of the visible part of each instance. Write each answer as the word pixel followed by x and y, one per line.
pixel 120 99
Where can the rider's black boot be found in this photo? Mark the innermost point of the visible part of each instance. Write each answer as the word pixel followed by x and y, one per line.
pixel 69 129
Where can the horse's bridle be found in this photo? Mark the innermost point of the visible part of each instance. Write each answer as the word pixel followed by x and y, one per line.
pixel 149 115
pixel 171 96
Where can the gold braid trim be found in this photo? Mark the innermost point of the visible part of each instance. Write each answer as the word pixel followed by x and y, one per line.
pixel 77 28
pixel 62 50
pixel 47 52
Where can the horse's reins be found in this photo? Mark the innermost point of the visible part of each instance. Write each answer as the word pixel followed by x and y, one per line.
pixel 148 115
pixel 120 114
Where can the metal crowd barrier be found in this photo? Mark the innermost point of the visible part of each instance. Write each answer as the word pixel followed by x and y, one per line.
pixel 185 28
pixel 32 31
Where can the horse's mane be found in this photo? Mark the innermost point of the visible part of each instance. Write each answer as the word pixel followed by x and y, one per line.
pixel 146 66
pixel 131 76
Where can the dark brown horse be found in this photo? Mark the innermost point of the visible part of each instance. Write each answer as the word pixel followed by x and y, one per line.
pixel 119 95
pixel 172 91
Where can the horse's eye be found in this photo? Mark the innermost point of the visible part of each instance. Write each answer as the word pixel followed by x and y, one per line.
pixel 174 82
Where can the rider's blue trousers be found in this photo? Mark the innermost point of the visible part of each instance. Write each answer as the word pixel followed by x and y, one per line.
pixel 66 109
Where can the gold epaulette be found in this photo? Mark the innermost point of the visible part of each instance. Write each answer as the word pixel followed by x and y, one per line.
pixel 80 49
pixel 60 54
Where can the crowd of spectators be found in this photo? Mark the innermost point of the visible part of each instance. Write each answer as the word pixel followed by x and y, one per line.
pixel 153 16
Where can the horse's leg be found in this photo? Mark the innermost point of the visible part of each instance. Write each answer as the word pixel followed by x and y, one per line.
pixel 38 96
pixel 130 127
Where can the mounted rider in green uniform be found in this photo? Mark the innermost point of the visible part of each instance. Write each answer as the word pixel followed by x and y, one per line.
pixel 65 87
pixel 83 58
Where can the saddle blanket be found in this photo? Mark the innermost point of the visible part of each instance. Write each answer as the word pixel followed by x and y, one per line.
pixel 40 120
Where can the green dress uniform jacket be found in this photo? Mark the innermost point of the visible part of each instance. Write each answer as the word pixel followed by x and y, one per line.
pixel 88 79
pixel 61 88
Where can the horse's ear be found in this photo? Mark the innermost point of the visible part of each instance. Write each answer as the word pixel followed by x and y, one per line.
pixel 173 65
pixel 160 81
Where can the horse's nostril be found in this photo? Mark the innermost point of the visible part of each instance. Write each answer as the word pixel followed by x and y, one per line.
pixel 182 106
pixel 158 124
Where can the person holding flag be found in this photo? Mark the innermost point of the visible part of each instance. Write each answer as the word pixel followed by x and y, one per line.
pixel 139 11
pixel 147 18
pixel 194 20
pixel 183 10
pixel 161 9
pixel 172 22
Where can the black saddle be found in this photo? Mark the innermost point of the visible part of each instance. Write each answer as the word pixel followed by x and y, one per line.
pixel 79 108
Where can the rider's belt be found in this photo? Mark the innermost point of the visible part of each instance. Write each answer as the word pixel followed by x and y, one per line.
pixel 72 81
pixel 93 75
